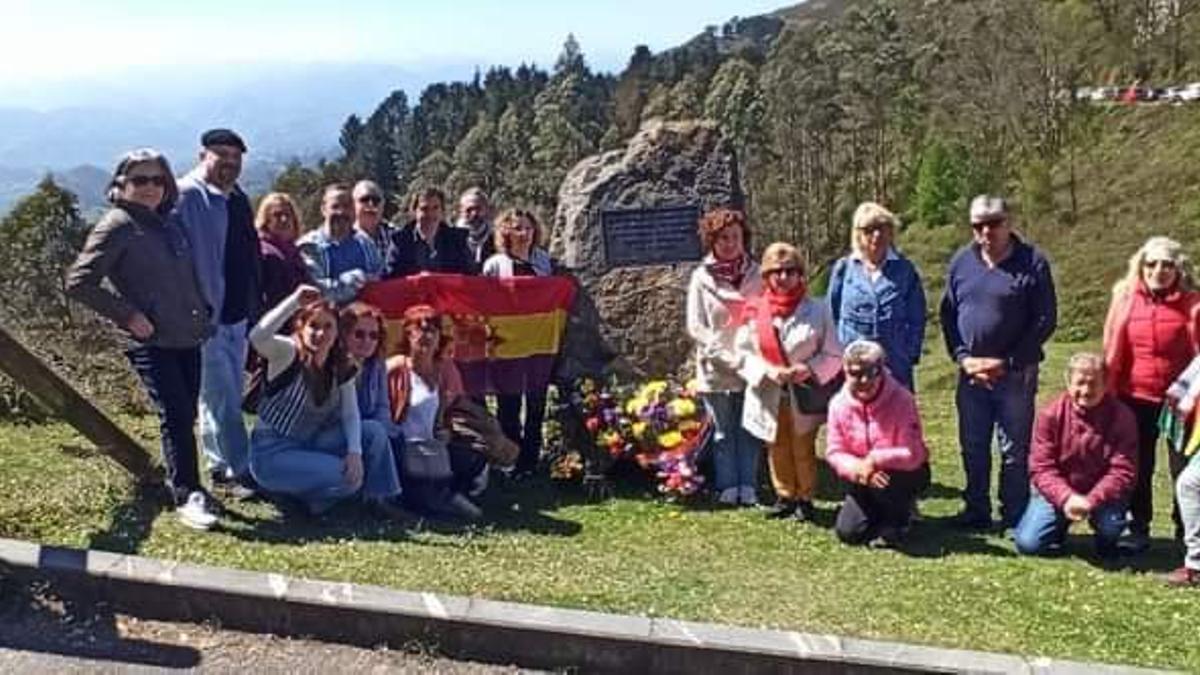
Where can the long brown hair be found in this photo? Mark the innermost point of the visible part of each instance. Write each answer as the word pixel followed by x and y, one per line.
pixel 356 311
pixel 338 367
pixel 416 316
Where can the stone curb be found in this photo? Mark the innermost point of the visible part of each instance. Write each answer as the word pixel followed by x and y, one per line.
pixel 484 630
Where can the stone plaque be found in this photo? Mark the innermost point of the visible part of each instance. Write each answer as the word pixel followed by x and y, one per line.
pixel 650 236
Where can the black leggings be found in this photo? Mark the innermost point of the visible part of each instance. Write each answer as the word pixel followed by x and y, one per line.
pixel 866 509
pixel 1141 502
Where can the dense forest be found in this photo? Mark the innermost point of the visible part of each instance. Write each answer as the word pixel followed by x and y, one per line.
pixel 916 103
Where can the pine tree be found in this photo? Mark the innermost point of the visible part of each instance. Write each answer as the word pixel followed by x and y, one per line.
pixel 557 146
pixel 476 159
pixel 42 235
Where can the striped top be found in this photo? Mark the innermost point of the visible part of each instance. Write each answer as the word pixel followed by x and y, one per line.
pixel 288 406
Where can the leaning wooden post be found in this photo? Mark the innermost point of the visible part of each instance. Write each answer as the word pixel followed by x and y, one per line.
pixel 61 399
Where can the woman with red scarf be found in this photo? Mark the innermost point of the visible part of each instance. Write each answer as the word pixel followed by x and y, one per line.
pixel 789 341
pixel 717 293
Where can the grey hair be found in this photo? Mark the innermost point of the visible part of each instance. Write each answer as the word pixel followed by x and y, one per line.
pixel 367 185
pixel 864 352
pixel 143 156
pixel 1085 361
pixel 475 191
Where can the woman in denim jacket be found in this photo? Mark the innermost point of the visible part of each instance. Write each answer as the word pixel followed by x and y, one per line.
pixel 876 294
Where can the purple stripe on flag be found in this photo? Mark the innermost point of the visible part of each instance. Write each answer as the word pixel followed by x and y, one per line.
pixel 507 376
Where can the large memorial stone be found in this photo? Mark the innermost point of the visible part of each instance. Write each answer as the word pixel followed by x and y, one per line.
pixel 667 168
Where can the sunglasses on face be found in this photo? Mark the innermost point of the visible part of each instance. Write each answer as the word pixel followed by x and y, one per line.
pixel 427 327
pixel 373 200
pixel 360 334
pixel 786 272
pixel 996 222
pixel 874 228
pixel 1165 264
pixel 864 373
pixel 143 181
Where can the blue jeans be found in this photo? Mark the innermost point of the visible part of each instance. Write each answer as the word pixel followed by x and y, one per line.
pixel 735 450
pixel 1044 526
pixel 172 380
pixel 311 470
pixel 222 429
pixel 1007 410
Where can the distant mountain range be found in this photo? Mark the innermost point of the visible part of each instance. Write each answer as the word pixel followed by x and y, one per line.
pixel 76 129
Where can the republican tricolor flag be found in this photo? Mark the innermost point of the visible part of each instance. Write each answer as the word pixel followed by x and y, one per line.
pixel 506 332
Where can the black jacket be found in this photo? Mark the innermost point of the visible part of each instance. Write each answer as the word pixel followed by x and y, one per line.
pixel 411 255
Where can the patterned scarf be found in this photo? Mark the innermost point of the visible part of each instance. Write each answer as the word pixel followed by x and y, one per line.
pixel 729 271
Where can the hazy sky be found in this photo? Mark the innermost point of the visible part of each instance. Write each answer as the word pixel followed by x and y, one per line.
pixel 44 40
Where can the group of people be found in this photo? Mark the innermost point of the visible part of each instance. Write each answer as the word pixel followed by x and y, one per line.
pixel 227 309
pixel 774 364
pixel 196 277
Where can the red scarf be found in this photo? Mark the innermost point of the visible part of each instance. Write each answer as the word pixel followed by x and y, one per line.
pixel 730 271
pixel 770 305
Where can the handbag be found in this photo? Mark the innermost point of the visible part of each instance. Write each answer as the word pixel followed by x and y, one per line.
pixel 813 399
pixel 425 461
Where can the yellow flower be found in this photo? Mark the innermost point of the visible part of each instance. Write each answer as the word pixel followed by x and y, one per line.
pixel 639 429
pixel 682 408
pixel 635 405
pixel 654 388
pixel 689 425
pixel 670 439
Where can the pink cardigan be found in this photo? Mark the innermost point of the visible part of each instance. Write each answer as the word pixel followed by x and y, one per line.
pixel 888 429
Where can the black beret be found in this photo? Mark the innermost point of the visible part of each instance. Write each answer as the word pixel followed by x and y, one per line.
pixel 222 137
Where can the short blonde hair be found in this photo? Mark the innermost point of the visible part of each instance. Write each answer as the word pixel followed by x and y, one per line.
pixel 779 254
pixel 867 214
pixel 1160 247
pixel 263 217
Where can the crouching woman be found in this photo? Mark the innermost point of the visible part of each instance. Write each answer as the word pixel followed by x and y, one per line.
pixel 422 385
pixel 310 442
pixel 875 445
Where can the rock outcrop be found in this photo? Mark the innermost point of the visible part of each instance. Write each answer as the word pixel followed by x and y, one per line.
pixel 665 164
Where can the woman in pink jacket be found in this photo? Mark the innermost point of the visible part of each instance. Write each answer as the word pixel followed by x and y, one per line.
pixel 876 446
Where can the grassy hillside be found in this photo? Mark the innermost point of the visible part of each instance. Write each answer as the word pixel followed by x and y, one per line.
pixel 1138 178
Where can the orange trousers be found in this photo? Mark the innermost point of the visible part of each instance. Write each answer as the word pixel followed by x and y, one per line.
pixel 793 459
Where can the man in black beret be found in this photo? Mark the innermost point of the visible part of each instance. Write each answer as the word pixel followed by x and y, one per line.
pixel 219 221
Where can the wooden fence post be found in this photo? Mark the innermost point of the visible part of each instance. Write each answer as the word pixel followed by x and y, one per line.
pixel 61 399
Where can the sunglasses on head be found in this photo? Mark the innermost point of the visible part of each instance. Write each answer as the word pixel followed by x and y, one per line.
pixel 374 200
pixel 143 181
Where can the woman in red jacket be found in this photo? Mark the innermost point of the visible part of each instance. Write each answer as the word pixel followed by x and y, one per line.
pixel 1151 334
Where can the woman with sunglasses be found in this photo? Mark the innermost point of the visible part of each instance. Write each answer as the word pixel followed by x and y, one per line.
pixel 158 303
pixel 310 442
pixel 876 447
pixel 1151 334
pixel 520 255
pixel 422 385
pixel 876 294
pixel 789 342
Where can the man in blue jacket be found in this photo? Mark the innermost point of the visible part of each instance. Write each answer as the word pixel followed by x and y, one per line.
pixel 219 222
pixel 999 307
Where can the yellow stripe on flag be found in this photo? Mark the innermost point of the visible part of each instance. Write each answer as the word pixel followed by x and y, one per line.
pixel 522 335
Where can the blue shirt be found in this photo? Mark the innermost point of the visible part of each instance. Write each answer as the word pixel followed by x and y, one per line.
pixel 1003 312
pixel 203 213
pixel 889 309
pixel 328 259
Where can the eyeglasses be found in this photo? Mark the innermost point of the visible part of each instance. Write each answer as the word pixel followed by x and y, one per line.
pixel 1165 264
pixel 373 200
pixel 360 334
pixel 785 272
pixel 864 373
pixel 158 180
pixel 994 222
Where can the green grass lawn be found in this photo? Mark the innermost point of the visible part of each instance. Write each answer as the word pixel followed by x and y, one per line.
pixel 546 544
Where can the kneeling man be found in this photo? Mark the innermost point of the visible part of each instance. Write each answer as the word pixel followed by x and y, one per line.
pixel 1083 464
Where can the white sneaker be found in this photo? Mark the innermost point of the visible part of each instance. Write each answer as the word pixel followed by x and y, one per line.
pixel 747 495
pixel 195 512
pixel 729 496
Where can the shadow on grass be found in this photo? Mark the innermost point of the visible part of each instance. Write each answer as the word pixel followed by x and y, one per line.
pixel 34 617
pixel 130 522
